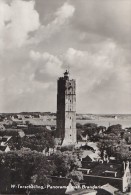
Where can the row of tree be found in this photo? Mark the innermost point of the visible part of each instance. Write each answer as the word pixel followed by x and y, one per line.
pixel 114 140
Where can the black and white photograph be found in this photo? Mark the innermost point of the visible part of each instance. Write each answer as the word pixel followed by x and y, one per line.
pixel 65 97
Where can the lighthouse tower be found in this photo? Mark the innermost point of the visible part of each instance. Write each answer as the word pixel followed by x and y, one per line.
pixel 66 110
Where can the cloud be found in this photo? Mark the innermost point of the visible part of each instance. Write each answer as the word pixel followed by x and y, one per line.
pixel 20 93
pixel 64 12
pixel 62 16
pixel 102 76
pixel 92 37
pixel 100 65
pixel 91 66
pixel 48 67
pixel 109 19
pixel 17 20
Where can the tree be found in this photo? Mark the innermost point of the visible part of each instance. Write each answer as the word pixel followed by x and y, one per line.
pixel 116 129
pixel 76 175
pixel 65 162
pixel 90 129
pixel 79 132
pixel 122 152
pixel 43 171
pixel 24 165
pixel 79 126
pixel 114 142
pixel 39 141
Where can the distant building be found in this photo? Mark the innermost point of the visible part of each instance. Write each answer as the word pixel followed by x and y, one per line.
pixel 66 110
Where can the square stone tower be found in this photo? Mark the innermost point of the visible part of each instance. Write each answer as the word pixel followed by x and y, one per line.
pixel 66 110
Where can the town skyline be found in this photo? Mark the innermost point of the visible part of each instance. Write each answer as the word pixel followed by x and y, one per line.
pixel 92 38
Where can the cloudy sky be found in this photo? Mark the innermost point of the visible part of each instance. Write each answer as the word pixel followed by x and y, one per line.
pixel 40 38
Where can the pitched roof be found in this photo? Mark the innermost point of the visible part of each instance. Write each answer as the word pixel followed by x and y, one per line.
pixel 81 191
pixel 87 158
pixel 109 188
pixel 89 165
pixel 3 148
pixel 101 169
pixel 102 192
pixel 6 138
pixel 86 147
pixel 91 154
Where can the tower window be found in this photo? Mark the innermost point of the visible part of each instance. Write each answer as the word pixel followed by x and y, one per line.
pixel 70 100
pixel 70 127
pixel 70 117
pixel 70 135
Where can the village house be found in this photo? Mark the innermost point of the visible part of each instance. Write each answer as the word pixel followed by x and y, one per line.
pixel 5 140
pixel 4 148
pixel 101 173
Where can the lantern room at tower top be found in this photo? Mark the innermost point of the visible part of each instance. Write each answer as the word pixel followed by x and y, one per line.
pixel 66 74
